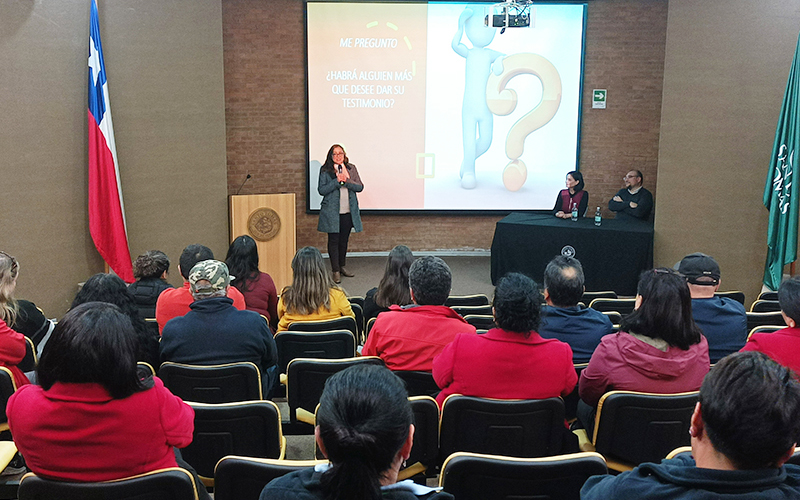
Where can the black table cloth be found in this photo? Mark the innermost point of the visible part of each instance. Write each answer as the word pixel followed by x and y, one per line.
pixel 612 254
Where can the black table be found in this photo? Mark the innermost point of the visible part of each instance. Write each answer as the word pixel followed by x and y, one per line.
pixel 612 254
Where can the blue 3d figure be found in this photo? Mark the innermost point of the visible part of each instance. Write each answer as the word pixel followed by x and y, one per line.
pixel 476 119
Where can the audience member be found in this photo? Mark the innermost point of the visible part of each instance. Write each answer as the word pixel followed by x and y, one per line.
pixel 313 295
pixel 214 332
pixel 175 302
pixel 111 289
pixel 744 428
pixel 151 270
pixel 659 347
pixel 409 337
pixel 364 427
pixel 393 288
pixel 562 317
pixel 722 320
pixel 784 345
pixel 511 361
pixel 20 315
pixel 92 418
pixel 633 201
pixel 257 287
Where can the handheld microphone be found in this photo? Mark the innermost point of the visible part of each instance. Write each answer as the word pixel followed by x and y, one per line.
pixel 242 185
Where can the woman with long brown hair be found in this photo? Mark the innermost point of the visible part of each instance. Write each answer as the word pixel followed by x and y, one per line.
pixel 312 295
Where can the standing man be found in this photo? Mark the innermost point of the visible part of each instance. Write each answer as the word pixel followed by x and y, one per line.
pixel 722 319
pixel 632 201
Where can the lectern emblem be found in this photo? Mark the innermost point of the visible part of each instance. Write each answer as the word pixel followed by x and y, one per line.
pixel 568 251
pixel 263 224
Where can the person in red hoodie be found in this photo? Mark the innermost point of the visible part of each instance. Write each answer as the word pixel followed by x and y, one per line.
pixel 92 418
pixel 783 346
pixel 659 347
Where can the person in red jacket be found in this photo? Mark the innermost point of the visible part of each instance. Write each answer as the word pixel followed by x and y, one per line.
pixel 509 362
pixel 12 350
pixel 92 418
pixel 409 337
pixel 783 346
pixel 175 302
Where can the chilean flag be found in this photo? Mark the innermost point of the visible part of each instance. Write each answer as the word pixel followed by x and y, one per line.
pixel 106 210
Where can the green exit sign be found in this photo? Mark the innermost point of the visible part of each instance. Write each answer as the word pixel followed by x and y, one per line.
pixel 599 98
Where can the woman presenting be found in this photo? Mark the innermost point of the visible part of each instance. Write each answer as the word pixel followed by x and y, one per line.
pixel 338 213
pixel 573 195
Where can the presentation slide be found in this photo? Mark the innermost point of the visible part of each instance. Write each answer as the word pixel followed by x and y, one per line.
pixel 440 112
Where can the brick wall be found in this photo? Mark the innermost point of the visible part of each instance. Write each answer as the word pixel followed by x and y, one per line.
pixel 265 115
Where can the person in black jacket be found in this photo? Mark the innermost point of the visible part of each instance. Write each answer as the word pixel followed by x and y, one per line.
pixel 364 427
pixel 151 270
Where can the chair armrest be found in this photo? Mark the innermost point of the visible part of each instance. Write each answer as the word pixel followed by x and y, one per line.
pixel 584 443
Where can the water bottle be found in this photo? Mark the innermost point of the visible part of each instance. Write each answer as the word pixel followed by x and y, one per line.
pixel 597 217
pixel 574 212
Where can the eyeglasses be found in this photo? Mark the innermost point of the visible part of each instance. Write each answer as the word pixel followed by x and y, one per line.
pixel 339 154
pixel 14 264
pixel 630 176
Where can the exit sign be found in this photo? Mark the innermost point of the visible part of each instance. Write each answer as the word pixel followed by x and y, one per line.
pixel 599 98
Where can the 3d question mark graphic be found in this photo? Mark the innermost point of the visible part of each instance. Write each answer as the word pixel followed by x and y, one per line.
pixel 503 101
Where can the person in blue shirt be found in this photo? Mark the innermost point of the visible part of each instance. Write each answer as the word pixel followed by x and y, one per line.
pixel 722 319
pixel 743 430
pixel 562 317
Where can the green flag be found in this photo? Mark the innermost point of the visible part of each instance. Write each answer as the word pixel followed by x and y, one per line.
pixel 781 190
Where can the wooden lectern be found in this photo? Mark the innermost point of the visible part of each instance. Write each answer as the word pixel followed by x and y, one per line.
pixel 270 220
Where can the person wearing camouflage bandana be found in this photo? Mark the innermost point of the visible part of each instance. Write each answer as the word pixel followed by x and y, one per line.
pixel 214 332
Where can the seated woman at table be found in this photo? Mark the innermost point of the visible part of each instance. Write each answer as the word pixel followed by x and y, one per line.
pixel 573 195
pixel 659 348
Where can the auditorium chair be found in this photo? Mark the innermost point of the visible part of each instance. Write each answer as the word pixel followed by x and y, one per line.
pixel 733 294
pixel 326 325
pixel 355 299
pixel 225 383
pixel 514 427
pixel 144 369
pixel 173 483
pixel 359 313
pixel 614 317
pixel 571 400
pixel 321 345
pixel 764 329
pixel 622 306
pixel 477 299
pixel 473 476
pixel 247 428
pixel 305 379
pixel 762 306
pixel 370 324
pixel 480 321
pixel 29 362
pixel 768 296
pixel 418 383
pixel 468 310
pixel 7 388
pixel 635 427
pixel 243 478
pixel 588 297
pixel 755 319
pixel 425 450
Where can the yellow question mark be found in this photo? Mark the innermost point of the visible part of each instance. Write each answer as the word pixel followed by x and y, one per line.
pixel 502 101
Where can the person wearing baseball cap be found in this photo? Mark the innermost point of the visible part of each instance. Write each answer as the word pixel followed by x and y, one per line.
pixel 722 319
pixel 215 332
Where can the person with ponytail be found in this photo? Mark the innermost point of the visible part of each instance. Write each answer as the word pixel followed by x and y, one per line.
pixel 364 428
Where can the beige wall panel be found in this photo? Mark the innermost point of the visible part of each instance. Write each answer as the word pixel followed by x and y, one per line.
pixel 725 72
pixel 164 61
